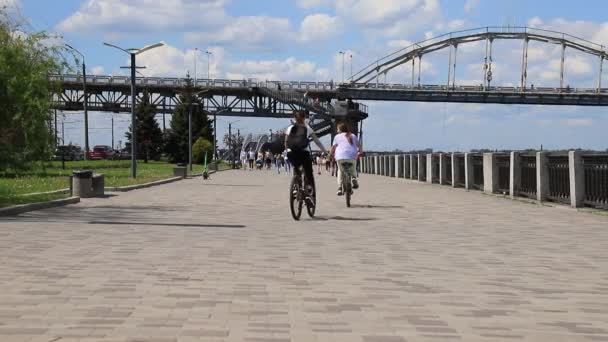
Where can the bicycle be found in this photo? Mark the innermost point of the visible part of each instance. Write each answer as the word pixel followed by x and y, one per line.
pixel 347 186
pixel 298 195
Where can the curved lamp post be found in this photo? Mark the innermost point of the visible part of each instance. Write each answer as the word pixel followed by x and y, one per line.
pixel 133 53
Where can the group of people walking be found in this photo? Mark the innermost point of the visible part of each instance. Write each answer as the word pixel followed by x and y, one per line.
pixel 250 160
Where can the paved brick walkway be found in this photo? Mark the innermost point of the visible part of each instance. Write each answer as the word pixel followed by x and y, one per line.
pixel 223 261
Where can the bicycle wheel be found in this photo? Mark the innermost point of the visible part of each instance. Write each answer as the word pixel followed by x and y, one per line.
pixel 347 188
pixel 295 198
pixel 312 206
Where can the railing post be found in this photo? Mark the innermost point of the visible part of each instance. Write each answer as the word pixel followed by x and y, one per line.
pixel 468 171
pixel 542 176
pixel 514 174
pixel 490 173
pixel 398 171
pixel 577 179
pixel 383 166
pixel 429 168
pixel 455 169
pixel 406 165
pixel 443 167
pixel 391 166
pixel 413 161
pixel 420 168
pixel 375 165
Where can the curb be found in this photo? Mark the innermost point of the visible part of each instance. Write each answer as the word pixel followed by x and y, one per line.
pixel 54 192
pixel 23 208
pixel 142 186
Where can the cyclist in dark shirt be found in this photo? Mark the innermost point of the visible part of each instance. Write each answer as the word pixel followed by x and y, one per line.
pixel 297 141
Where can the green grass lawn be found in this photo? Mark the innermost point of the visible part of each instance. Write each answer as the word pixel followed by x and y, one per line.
pixel 50 176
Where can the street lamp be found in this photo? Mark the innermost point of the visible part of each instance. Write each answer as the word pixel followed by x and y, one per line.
pixel 342 53
pixel 351 67
pixel 85 101
pixel 134 52
pixel 209 53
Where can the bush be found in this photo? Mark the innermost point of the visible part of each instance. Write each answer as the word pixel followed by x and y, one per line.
pixel 200 147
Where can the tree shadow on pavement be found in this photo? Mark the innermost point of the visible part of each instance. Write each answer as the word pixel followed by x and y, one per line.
pixel 341 218
pixel 371 206
pixel 236 185
pixel 168 224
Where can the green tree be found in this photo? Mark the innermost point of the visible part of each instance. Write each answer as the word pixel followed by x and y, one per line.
pixel 177 140
pixel 200 147
pixel 26 60
pixel 149 134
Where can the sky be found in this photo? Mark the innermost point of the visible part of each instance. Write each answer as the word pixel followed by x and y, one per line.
pixel 301 40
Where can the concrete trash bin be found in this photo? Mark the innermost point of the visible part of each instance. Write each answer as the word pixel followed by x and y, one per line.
pixel 98 184
pixel 180 171
pixel 82 183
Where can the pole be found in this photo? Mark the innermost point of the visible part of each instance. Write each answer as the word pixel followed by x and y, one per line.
pixel 215 136
pixel 230 142
pixel 112 131
pixel 133 121
pixel 343 67
pixel 164 112
pixel 195 62
pixel 86 111
pixel 56 142
pixel 190 136
pixel 208 56
pixel 351 67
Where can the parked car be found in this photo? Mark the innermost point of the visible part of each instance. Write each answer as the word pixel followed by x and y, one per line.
pixel 102 152
pixel 69 153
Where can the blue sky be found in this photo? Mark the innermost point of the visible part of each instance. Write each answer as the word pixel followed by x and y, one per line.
pixel 300 40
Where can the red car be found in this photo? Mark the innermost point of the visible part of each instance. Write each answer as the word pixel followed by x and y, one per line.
pixel 102 152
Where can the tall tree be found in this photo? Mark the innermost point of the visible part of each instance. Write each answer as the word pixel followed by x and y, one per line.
pixel 26 60
pixel 177 142
pixel 149 134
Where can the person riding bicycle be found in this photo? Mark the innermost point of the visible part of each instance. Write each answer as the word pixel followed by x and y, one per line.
pixel 346 148
pixel 297 143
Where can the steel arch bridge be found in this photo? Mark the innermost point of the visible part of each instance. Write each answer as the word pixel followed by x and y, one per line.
pixel 262 99
pixel 366 84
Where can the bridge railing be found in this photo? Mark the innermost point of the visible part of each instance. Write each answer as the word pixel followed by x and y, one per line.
pixel 578 178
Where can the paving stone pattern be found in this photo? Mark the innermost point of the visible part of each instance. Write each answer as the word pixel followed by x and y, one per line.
pixel 222 260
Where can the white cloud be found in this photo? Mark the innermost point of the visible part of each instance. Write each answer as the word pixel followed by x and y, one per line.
pixel 535 22
pixel 309 4
pixel 173 62
pixel 454 25
pixel 319 27
pixel 470 5
pixel 143 16
pixel 247 33
pixel 97 70
pixel 10 3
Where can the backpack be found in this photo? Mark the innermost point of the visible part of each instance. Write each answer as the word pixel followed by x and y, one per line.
pixel 297 140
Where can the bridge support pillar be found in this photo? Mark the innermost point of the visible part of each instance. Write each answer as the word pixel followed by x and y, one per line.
pixel 468 171
pixel 515 175
pixel 443 169
pixel 542 176
pixel 455 169
pixel 490 173
pixel 429 168
pixel 577 179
